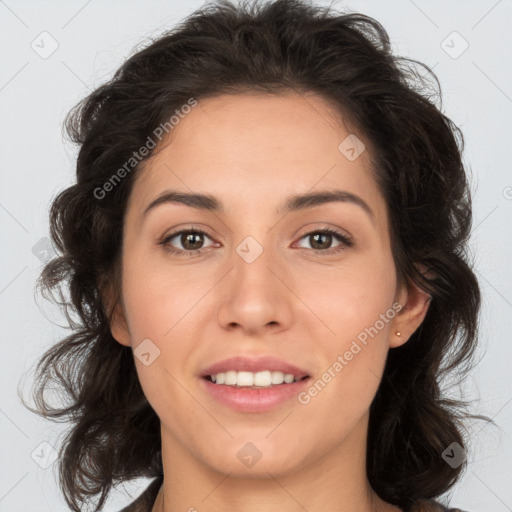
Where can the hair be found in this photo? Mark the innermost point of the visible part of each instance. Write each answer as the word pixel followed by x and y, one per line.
pixel 279 47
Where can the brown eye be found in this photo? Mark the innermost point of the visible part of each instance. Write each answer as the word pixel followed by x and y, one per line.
pixel 321 241
pixel 191 241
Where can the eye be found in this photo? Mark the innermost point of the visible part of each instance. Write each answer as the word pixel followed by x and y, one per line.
pixel 322 238
pixel 191 241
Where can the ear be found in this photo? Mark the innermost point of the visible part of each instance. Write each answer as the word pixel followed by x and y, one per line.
pixel 116 313
pixel 119 325
pixel 415 303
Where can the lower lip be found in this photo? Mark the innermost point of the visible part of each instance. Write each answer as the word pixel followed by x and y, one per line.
pixel 253 400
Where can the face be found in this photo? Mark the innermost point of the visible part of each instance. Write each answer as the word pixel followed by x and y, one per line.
pixel 262 283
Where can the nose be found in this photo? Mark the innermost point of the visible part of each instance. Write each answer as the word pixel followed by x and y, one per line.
pixel 256 297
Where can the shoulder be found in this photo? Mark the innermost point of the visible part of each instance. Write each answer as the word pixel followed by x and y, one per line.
pixel 144 503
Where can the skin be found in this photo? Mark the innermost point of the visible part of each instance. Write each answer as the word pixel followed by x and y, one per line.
pixel 252 151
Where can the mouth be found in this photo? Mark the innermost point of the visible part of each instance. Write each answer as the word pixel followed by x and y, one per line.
pixel 246 384
pixel 254 380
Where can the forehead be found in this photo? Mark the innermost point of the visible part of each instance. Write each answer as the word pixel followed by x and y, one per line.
pixel 239 126
pixel 258 148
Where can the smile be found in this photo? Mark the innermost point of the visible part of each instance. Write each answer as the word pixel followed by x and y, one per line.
pixel 254 380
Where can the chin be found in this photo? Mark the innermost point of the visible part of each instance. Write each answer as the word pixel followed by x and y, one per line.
pixel 253 459
pixel 261 470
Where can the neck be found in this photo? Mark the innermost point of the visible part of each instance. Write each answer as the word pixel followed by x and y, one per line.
pixel 336 481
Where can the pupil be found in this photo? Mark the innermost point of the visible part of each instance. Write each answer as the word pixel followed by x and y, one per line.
pixel 315 238
pixel 189 238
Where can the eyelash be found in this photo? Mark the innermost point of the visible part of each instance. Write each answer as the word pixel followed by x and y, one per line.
pixel 346 242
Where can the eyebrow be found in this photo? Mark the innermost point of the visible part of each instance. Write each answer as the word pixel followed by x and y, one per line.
pixel 292 204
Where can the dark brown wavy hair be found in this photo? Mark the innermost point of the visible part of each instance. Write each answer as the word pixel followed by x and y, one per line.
pixel 416 153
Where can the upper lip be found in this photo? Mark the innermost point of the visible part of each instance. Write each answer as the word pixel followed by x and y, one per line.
pixel 253 364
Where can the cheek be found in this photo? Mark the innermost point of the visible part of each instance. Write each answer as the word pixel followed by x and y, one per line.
pixel 161 314
pixel 356 313
pixel 160 308
pixel 350 297
pixel 159 296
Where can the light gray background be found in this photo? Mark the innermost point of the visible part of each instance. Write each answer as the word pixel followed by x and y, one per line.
pixel 93 40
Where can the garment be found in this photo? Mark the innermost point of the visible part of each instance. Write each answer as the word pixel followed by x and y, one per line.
pixel 432 506
pixel 145 502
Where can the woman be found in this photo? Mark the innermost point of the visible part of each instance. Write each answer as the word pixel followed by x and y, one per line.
pixel 266 250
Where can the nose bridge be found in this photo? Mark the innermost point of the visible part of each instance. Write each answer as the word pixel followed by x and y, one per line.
pixel 254 297
pixel 253 258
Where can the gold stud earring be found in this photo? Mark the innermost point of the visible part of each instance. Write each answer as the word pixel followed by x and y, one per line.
pixel 398 333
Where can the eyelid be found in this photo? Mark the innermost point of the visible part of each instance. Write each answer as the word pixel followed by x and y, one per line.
pixel 317 227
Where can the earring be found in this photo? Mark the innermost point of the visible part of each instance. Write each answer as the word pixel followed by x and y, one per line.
pixel 398 333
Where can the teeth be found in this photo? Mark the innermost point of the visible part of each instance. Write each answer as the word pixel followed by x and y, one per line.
pixel 262 379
